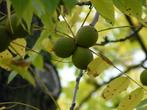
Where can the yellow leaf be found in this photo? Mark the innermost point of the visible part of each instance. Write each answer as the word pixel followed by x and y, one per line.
pixel 115 87
pixel 47 45
pixel 18 46
pixel 96 67
pixel 5 59
pixel 131 100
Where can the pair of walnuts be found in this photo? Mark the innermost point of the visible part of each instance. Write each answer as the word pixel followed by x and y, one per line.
pixel 78 46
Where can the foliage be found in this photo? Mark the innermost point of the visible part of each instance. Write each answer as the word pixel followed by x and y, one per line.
pixel 121 46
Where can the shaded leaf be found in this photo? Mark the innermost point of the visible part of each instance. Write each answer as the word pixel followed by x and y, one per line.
pixel 130 7
pixel 20 6
pixel 96 67
pixel 11 76
pixel 69 4
pixel 38 7
pixel 115 87
pixel 131 100
pixel 105 9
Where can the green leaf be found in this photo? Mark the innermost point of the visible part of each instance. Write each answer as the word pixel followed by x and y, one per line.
pixel 24 9
pixel 11 76
pixel 142 105
pixel 96 67
pixel 20 6
pixel 50 6
pixel 130 7
pixel 39 9
pixel 24 73
pixel 131 100
pixel 105 8
pixel 28 15
pixel 115 87
pixel 38 61
pixel 69 4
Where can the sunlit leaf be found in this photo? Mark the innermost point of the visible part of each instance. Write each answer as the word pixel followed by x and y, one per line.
pixel 38 45
pixel 11 76
pixel 105 8
pixel 18 47
pixel 130 7
pixel 96 67
pixel 47 45
pixel 115 87
pixel 5 59
pixel 38 61
pixel 131 100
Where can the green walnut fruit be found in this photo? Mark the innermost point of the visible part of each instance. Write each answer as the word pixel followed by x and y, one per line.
pixel 17 29
pixel 82 57
pixel 4 38
pixel 86 36
pixel 64 47
pixel 143 77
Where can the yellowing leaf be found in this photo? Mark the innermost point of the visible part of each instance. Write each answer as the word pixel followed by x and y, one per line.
pixel 47 45
pixel 131 100
pixel 18 46
pixel 5 59
pixel 105 8
pixel 96 67
pixel 130 7
pixel 115 87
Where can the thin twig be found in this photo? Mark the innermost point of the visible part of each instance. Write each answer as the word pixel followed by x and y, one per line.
pixel 137 36
pixel 90 8
pixel 87 3
pixel 110 28
pixel 57 31
pixel 25 47
pixel 20 103
pixel 68 26
pixel 76 90
pixel 106 41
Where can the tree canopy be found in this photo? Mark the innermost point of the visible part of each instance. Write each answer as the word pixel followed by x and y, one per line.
pixel 108 58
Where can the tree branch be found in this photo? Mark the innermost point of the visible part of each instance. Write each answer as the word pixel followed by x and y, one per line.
pixel 138 37
pixel 76 90
pixel 84 3
pixel 107 41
